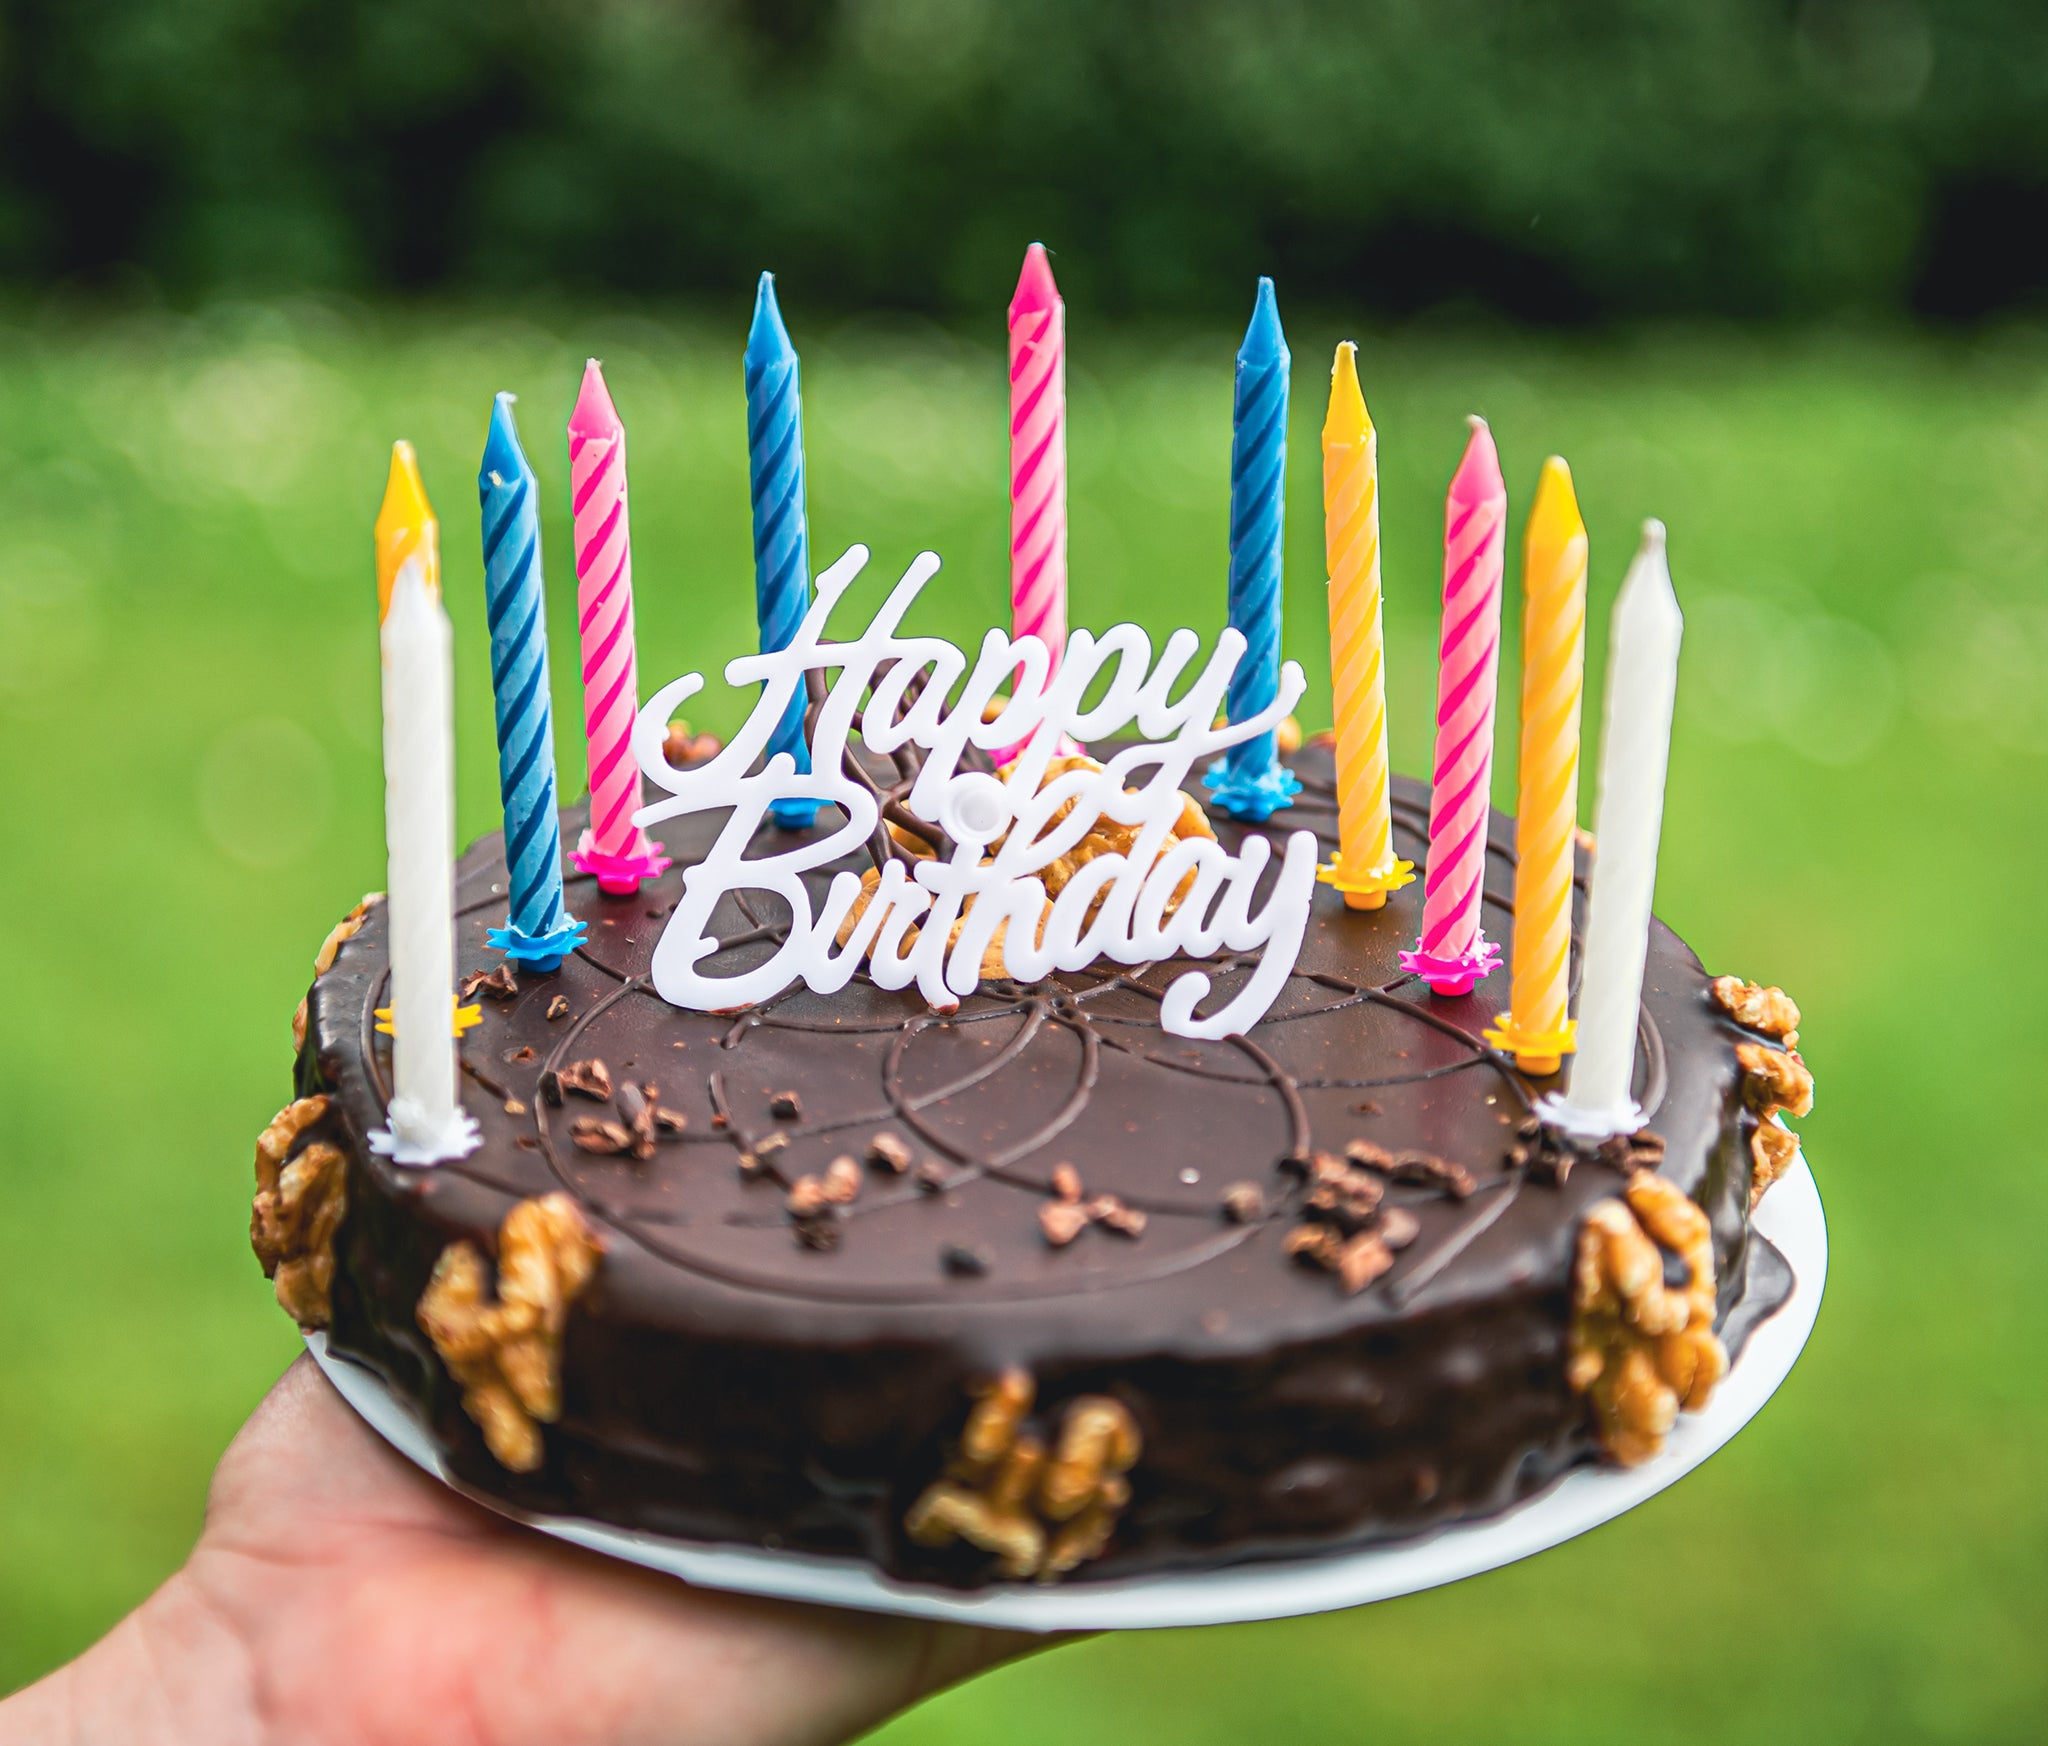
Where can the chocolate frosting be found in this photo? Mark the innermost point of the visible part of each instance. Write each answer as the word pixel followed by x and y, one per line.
pixel 723 1382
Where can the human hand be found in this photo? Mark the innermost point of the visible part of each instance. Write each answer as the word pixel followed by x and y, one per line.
pixel 339 1595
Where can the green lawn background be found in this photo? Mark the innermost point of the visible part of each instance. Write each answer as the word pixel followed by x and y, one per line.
pixel 190 793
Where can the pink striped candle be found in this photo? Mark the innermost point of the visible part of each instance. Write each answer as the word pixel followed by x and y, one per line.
pixel 1455 953
pixel 614 848
pixel 1038 456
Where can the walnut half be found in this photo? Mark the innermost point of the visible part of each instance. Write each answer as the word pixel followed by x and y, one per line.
pixel 506 1351
pixel 1640 1349
pixel 1775 1081
pixel 1042 1509
pixel 298 1207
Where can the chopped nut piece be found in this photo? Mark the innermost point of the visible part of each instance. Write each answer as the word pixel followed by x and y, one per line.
pixel 1398 1227
pixel 1371 1156
pixel 1771 1150
pixel 1349 1199
pixel 821 1231
pixel 505 1352
pixel 558 1008
pixel 842 1180
pixel 1088 1534
pixel 751 1165
pixel 1113 1215
pixel 323 961
pixel 513 1107
pixel 948 1512
pixel 770 1142
pixel 1000 1403
pixel 932 1177
pixel 1066 1182
pixel 1433 1172
pixel 1098 1438
pixel 807 1197
pixel 1011 1487
pixel 890 1152
pixel 1244 1203
pixel 498 982
pixel 1642 1349
pixel 1317 1244
pixel 636 1104
pixel 787 1105
pixel 1362 1260
pixel 595 1134
pixel 963 1262
pixel 299 1205
pixel 591 1079
pixel 1776 1080
pixel 1769 1010
pixel 1062 1221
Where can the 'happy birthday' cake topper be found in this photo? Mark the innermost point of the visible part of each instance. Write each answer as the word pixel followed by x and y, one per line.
pixel 931 921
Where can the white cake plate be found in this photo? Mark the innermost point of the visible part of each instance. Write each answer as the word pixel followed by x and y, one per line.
pixel 1790 1217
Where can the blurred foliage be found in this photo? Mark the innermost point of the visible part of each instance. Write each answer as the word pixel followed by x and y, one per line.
pixel 190 795
pixel 1553 159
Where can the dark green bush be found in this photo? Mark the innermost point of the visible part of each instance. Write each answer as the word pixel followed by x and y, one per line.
pixel 1556 159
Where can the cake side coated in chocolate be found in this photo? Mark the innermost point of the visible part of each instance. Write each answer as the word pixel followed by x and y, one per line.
pixel 731 1373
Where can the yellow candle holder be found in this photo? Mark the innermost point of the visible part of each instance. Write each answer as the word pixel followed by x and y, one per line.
pixel 1367 890
pixel 1537 1053
pixel 465 1018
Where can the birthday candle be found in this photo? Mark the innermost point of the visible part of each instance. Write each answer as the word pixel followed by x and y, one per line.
pixel 538 928
pixel 1455 952
pixel 614 848
pixel 1364 868
pixel 1038 456
pixel 427 1123
pixel 1249 781
pixel 782 541
pixel 1628 818
pixel 1535 1027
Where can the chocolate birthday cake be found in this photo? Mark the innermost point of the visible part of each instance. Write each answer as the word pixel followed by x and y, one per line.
pixel 1031 1289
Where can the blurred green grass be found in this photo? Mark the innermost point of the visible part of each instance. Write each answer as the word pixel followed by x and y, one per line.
pixel 190 788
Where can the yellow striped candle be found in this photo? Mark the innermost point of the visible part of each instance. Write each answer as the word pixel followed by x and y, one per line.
pixel 406 528
pixel 1364 867
pixel 1536 1028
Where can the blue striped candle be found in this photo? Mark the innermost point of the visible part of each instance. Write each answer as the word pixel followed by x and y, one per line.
pixel 782 540
pixel 538 931
pixel 1249 781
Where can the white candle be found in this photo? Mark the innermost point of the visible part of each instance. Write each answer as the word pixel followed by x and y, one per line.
pixel 427 1122
pixel 1635 750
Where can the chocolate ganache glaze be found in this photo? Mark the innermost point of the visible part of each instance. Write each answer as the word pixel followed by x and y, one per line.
pixel 723 1381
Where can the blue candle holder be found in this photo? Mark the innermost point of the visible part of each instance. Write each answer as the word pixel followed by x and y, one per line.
pixel 539 931
pixel 1249 781
pixel 782 541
